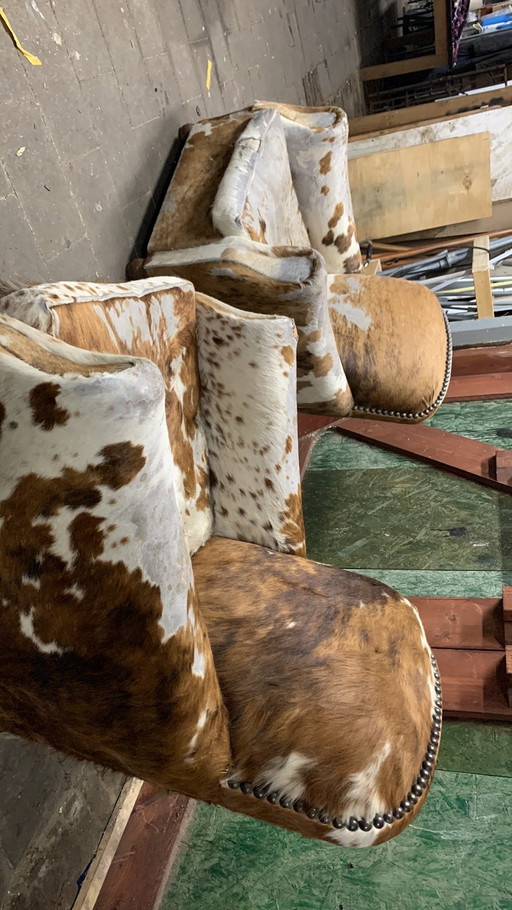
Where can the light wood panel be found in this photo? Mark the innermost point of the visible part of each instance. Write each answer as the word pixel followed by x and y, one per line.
pixel 432 112
pixel 421 187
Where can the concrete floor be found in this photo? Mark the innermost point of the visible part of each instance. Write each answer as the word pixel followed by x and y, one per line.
pixel 86 148
pixel 87 135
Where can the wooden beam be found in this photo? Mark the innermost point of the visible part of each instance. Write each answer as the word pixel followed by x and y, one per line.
pixel 482 278
pixel 484 387
pixel 98 870
pixel 475 684
pixel 508 668
pixel 441 29
pixel 310 428
pixel 474 623
pixel 311 423
pixel 507 614
pixel 399 67
pixel 433 111
pixel 479 361
pixel 148 848
pixel 459 455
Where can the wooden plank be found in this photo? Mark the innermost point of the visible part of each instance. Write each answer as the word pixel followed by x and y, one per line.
pixel 441 29
pixel 97 872
pixel 423 186
pixel 508 668
pixel 507 614
pixel 432 112
pixel 462 623
pixel 482 278
pixel 472 361
pixel 503 467
pixel 373 267
pixel 480 387
pixel 311 423
pixel 474 684
pixel 450 452
pixel 306 445
pixel 141 867
pixel 399 67
pixel 310 427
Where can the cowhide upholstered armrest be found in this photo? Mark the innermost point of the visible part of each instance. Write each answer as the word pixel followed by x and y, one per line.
pixel 335 715
pixel 247 364
pixel 281 280
pixel 105 654
pixel 153 318
pixel 317 139
pixel 394 342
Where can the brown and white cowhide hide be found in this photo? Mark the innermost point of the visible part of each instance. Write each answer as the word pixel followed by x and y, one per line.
pixel 256 197
pixel 286 281
pixel 394 343
pixel 317 141
pixel 248 377
pixel 105 654
pixel 153 318
pixel 185 217
pixel 328 682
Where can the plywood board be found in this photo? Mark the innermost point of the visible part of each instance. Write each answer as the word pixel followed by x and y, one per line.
pixel 497 121
pixel 420 187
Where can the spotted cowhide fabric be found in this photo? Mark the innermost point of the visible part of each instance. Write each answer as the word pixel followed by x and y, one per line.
pixel 154 318
pixel 247 364
pixel 185 217
pixel 317 139
pixel 106 625
pixel 105 654
pixel 281 280
pixel 256 198
pixel 394 343
pixel 230 173
pixel 333 706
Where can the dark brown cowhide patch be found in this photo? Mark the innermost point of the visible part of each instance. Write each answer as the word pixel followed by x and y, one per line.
pixel 45 410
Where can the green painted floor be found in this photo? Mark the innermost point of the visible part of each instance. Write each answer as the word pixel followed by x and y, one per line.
pixel 426 533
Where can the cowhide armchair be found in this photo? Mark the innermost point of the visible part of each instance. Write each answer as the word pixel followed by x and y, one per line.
pixel 273 173
pixel 157 611
pixel 259 214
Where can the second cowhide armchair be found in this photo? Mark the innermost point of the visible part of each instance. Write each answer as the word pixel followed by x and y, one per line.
pixel 259 214
pixel 157 611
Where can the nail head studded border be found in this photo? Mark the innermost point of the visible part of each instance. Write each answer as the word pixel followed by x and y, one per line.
pixel 379 821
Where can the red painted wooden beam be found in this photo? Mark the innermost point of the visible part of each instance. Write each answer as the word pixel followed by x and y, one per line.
pixel 459 455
